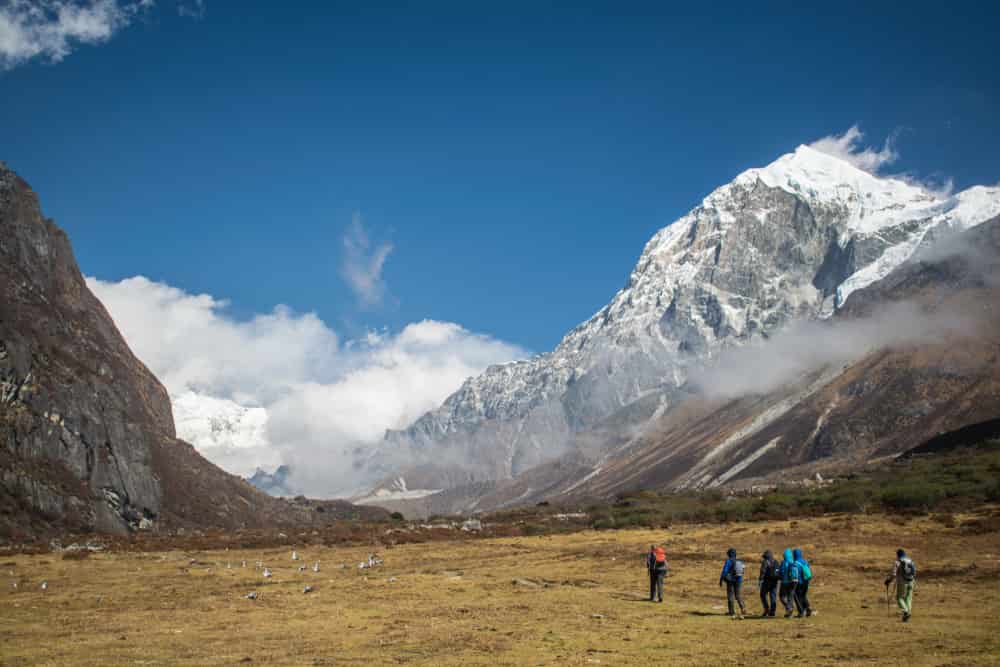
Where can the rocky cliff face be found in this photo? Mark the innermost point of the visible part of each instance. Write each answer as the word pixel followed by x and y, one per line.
pixel 792 240
pixel 79 415
pixel 86 433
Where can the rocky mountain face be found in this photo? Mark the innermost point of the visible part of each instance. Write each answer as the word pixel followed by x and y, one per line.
pixel 86 434
pixel 790 241
pixel 898 390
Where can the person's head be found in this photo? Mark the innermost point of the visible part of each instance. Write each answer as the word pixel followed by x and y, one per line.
pixel 797 554
pixel 768 555
pixel 731 553
pixel 900 553
pixel 652 547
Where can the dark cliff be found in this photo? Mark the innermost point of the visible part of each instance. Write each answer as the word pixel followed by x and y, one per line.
pixel 87 438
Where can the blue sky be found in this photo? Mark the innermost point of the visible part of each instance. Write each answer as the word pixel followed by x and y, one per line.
pixel 515 158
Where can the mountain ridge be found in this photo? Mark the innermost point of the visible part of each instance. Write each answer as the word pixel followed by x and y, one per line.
pixel 788 241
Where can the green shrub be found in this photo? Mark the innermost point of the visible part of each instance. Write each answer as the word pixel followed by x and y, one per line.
pixel 912 496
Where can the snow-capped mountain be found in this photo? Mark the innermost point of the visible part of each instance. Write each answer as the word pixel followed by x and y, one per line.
pixel 791 240
pixel 228 434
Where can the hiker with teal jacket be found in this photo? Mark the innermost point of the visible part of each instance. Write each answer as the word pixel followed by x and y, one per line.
pixel 789 572
pixel 802 589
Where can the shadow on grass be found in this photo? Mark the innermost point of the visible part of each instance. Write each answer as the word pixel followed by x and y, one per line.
pixel 630 597
pixel 698 612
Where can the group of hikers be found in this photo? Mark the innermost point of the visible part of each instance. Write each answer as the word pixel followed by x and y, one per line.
pixel 787 581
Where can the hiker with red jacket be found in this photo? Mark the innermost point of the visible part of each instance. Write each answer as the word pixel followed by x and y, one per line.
pixel 656 563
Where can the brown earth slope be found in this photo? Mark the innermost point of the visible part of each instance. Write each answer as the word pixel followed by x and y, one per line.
pixel 87 436
pixel 837 418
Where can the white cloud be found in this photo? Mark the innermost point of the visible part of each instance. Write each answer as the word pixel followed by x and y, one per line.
pixel 850 147
pixel 324 397
pixel 194 9
pixel 363 263
pixel 51 29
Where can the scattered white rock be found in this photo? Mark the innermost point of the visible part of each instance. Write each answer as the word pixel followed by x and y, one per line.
pixel 295 555
pixel 307 589
pixel 251 595
pixel 316 567
pixel 45 585
pixel 267 573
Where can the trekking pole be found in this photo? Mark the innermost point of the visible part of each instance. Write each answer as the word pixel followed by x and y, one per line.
pixel 888 613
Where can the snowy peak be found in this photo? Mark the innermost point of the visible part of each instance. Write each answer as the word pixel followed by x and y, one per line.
pixel 819 178
pixel 787 241
pixel 230 435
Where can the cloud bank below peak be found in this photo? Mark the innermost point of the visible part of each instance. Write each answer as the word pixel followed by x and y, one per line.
pixel 325 398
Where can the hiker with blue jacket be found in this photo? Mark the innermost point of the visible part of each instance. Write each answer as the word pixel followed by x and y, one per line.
pixel 767 582
pixel 732 576
pixel 789 573
pixel 802 588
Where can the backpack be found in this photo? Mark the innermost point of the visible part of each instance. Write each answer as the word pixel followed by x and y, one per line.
pixel 660 559
pixel 907 570
pixel 804 570
pixel 770 572
pixel 736 569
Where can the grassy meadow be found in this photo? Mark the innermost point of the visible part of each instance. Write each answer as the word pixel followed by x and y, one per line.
pixel 563 599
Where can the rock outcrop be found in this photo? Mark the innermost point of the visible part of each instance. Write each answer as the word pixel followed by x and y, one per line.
pixel 86 434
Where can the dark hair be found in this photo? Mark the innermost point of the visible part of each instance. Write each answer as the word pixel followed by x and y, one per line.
pixel 900 553
pixel 731 553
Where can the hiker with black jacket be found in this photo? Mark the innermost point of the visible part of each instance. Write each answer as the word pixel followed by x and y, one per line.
pixel 905 574
pixel 767 582
pixel 656 563
pixel 732 575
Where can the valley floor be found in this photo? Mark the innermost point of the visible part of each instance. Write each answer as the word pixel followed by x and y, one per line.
pixel 573 599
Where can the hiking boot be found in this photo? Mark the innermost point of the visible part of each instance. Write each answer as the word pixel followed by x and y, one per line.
pixel 788 614
pixel 809 612
pixel 906 617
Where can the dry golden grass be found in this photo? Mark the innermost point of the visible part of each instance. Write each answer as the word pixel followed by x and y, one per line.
pixel 454 603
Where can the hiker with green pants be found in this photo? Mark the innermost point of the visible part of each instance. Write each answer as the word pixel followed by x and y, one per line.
pixel 905 574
